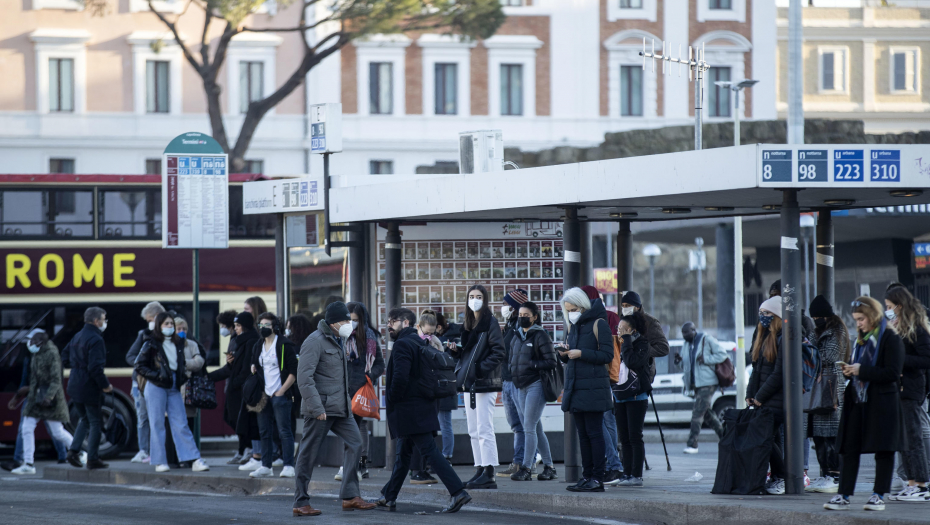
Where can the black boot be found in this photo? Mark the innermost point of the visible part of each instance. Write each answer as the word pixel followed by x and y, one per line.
pixel 478 473
pixel 485 481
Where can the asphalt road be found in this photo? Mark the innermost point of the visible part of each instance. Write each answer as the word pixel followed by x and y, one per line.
pixel 36 501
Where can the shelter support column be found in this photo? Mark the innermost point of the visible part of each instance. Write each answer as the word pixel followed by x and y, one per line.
pixel 824 257
pixel 791 342
pixel 357 287
pixel 282 269
pixel 571 277
pixel 625 259
pixel 726 295
pixel 393 299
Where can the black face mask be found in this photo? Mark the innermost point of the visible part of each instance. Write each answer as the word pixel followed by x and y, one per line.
pixel 820 323
pixel 266 332
pixel 526 322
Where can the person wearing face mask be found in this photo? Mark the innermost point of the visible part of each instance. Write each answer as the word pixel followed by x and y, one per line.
pixel 586 393
pixel 765 387
pixel 234 372
pixel 274 358
pixel 323 380
pixel 509 311
pixel 478 374
pixel 832 341
pixel 631 397
pixel 143 432
pixel 632 304
pixel 250 443
pixel 908 317
pixel 194 359
pixel 532 354
pixel 411 413
pixel 87 385
pixel 698 359
pixel 162 363
pixel 365 363
pixel 46 398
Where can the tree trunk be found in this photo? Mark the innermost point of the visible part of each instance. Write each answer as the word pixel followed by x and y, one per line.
pixel 215 112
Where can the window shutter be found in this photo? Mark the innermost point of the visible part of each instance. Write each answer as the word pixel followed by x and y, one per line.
pixel 839 71
pixel 910 70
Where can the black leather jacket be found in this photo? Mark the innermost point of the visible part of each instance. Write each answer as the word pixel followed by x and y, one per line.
pixel 478 366
pixel 152 364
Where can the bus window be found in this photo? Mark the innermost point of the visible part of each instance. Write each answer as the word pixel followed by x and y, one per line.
pixel 247 226
pixel 135 213
pixel 41 213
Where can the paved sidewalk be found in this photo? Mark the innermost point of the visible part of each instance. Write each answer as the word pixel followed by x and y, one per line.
pixel 666 498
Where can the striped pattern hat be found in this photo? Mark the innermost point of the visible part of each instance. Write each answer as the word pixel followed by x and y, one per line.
pixel 516 298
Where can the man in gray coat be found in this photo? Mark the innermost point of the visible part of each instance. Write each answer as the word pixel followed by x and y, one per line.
pixel 323 380
pixel 699 357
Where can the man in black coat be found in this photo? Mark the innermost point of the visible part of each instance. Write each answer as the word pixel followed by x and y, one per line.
pixel 412 416
pixel 87 384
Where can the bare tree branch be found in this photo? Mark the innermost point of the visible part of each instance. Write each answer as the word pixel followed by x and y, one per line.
pixel 220 55
pixel 177 37
pixel 302 27
pixel 204 48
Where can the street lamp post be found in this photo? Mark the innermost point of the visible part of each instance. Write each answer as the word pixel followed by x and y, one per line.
pixel 807 227
pixel 652 252
pixel 698 262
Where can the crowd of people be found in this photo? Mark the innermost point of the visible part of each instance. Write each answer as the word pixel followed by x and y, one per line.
pixel 277 371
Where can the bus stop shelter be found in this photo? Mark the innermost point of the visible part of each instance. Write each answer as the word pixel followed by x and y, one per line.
pixel 722 182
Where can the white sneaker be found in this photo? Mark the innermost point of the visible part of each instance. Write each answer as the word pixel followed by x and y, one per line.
pixel 200 466
pixel 812 487
pixel 826 485
pixel 911 493
pixel 897 484
pixel 837 503
pixel 246 456
pixel 278 463
pixel 139 457
pixel 287 472
pixel 691 450
pixel 262 472
pixel 775 487
pixel 83 458
pixel 162 468
pixel 874 503
pixel 24 469
pixel 251 465
pixel 338 476
pixel 235 460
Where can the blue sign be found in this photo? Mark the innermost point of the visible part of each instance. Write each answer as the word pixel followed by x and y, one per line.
pixel 921 248
pixel 812 166
pixel 886 165
pixel 848 165
pixel 189 165
pixel 318 137
pixel 776 165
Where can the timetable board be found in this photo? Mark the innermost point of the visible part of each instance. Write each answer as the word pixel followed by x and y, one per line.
pixel 441 261
pixel 196 203
pixel 839 166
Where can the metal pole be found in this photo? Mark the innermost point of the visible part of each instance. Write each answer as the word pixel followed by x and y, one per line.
pixel 805 238
pixel 280 266
pixel 625 259
pixel 357 264
pixel 825 256
pixel 795 74
pixel 698 103
pixel 652 283
pixel 736 136
pixel 571 277
pixel 393 298
pixel 791 343
pixel 326 204
pixel 195 329
pixel 700 299
pixel 739 317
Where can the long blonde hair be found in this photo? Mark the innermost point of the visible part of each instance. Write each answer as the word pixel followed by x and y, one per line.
pixel 768 346
pixel 912 313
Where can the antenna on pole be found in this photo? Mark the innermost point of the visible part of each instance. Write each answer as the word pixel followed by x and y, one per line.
pixel 696 66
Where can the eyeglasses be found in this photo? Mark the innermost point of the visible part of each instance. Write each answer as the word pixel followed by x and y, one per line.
pixel 856 304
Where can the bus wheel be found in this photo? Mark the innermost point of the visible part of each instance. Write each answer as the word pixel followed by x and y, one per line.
pixel 117 431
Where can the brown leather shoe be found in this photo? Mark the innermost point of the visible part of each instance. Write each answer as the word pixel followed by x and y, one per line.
pixel 306 510
pixel 356 503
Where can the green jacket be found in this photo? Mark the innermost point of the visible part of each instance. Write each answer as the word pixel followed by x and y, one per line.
pixel 46 399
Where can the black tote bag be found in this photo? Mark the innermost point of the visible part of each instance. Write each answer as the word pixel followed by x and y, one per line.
pixel 744 450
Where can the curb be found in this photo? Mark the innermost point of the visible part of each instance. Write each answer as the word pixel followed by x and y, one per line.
pixel 643 506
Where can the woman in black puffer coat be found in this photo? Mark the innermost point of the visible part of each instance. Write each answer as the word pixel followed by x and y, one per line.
pixel 631 395
pixel 765 385
pixel 586 393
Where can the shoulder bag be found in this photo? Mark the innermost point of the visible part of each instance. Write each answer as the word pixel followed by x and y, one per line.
pixel 552 380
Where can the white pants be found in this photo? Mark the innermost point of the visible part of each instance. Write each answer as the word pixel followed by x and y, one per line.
pixel 481 428
pixel 29 436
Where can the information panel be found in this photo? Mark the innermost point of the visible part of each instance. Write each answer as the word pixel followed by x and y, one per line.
pixel 195 186
pixel 848 165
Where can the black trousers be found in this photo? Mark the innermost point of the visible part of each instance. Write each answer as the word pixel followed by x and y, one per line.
pixel 777 458
pixel 426 444
pixel 590 426
pixel 827 456
pixel 884 468
pixel 630 418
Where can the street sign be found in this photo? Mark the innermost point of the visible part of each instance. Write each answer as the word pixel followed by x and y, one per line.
pixel 282 196
pixel 697 260
pixel 813 165
pixel 195 186
pixel 886 165
pixel 304 230
pixel 776 165
pixel 844 165
pixel 326 128
pixel 848 165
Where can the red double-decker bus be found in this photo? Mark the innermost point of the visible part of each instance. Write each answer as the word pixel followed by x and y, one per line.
pixel 68 242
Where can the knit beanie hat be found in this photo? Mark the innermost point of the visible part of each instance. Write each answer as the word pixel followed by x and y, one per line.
pixel 775 288
pixel 246 320
pixel 632 298
pixel 820 307
pixel 773 305
pixel 337 312
pixel 516 298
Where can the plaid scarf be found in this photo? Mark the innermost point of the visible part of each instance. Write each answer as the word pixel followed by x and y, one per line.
pixel 371 350
pixel 866 353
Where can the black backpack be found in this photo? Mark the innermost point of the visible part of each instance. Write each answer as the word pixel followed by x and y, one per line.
pixel 436 373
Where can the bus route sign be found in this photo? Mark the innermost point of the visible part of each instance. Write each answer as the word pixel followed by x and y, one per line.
pixel 195 185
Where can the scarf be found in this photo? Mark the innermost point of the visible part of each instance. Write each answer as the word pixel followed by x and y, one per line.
pixel 370 350
pixel 866 353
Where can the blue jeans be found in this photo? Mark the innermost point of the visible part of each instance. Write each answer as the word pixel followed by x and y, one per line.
pixel 509 397
pixel 531 401
pixel 61 448
pixel 143 432
pixel 88 427
pixel 277 414
pixel 448 437
pixel 159 401
pixel 257 447
pixel 610 442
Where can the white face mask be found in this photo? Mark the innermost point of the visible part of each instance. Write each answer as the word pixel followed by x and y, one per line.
pixel 32 348
pixel 224 332
pixel 890 315
pixel 573 317
pixel 104 327
pixel 345 330
pixel 288 332
pixel 151 326
pixel 475 304
pixel 354 324
pixel 167 332
pixel 506 310
pixel 628 310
